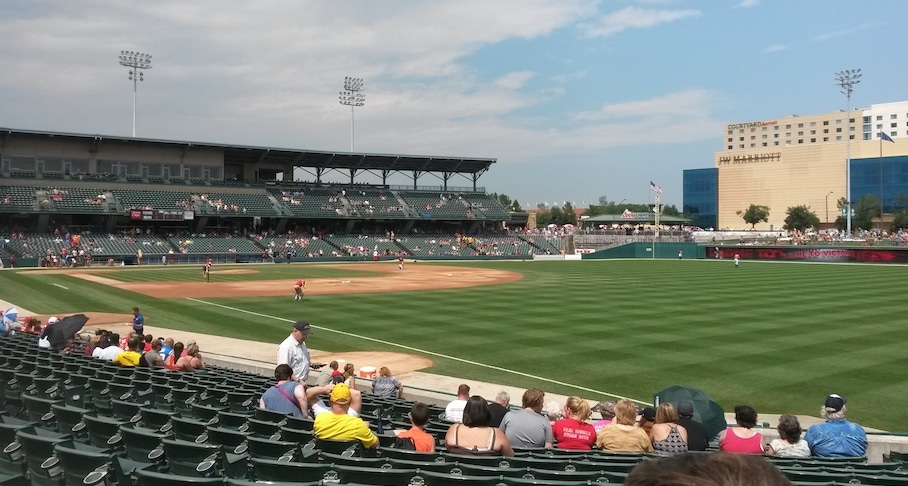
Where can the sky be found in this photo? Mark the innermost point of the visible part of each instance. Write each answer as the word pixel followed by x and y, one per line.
pixel 575 99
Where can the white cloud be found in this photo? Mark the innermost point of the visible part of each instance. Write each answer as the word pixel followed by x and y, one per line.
pixel 635 18
pixel 843 32
pixel 775 48
pixel 514 80
pixel 748 3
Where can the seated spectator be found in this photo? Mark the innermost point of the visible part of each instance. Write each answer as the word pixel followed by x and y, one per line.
pixel 287 396
pixel 697 436
pixel 112 350
pixel 33 325
pixel 131 356
pixel 836 437
pixel 327 376
pixel 170 362
pixel 350 375
pixel 572 431
pixel 742 439
pixel 419 417
pixel 103 342
pixel 167 349
pixel 527 428
pixel 668 437
pixel 152 358
pixel 474 436
pixel 339 424
pixel 623 434
pixel 386 385
pixel 148 339
pixel 789 443
pixel 192 361
pixel 499 407
pixel 718 469
pixel 607 412
pixel 454 409
pixel 647 418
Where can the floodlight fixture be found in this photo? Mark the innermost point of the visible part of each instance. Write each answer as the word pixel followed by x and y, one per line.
pixel 137 62
pixel 352 96
pixel 846 80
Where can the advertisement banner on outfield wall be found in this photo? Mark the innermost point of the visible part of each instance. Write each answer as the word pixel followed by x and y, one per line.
pixel 810 254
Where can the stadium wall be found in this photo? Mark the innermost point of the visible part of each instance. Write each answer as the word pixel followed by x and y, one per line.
pixel 645 250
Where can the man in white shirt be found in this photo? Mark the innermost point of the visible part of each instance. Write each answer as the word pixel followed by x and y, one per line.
pixel 454 410
pixel 293 351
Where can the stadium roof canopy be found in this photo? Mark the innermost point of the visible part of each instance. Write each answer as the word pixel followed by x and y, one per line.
pixel 312 159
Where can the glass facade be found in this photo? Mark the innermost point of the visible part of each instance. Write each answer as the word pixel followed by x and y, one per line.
pixel 701 196
pixel 879 175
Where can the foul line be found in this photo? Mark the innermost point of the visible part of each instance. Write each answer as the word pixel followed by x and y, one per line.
pixel 62 287
pixel 423 351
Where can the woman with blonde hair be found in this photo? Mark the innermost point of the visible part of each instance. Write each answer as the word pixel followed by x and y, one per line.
pixel 386 385
pixel 350 375
pixel 623 435
pixel 668 437
pixel 572 431
pixel 192 361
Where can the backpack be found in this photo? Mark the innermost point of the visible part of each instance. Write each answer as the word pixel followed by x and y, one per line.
pixel 404 443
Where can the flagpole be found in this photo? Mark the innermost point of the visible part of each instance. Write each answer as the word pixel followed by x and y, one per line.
pixel 881 186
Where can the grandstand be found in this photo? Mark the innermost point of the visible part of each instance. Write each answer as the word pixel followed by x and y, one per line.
pixel 234 203
pixel 101 185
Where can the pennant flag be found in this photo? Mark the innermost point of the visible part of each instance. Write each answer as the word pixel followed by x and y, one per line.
pixel 653 187
pixel 885 137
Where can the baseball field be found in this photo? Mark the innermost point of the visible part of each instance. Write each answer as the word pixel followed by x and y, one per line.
pixel 777 336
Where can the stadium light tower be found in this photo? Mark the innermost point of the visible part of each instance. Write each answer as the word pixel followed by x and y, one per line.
pixel 846 80
pixel 352 96
pixel 136 61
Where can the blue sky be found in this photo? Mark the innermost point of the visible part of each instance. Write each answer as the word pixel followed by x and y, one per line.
pixel 576 99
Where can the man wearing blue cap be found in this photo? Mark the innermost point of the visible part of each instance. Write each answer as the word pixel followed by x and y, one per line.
pixel 836 437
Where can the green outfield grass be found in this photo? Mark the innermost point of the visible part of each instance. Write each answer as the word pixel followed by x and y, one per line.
pixel 777 336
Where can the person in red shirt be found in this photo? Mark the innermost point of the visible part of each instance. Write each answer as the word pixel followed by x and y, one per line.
pixel 298 289
pixel 419 417
pixel 572 431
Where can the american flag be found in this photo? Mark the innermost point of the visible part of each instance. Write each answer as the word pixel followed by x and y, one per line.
pixel 653 187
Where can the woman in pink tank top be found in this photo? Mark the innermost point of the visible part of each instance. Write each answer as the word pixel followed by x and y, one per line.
pixel 742 439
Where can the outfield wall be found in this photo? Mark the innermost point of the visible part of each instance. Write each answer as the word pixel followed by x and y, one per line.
pixel 810 254
pixel 645 250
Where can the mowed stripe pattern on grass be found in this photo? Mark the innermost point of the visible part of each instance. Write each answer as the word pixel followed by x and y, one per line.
pixel 776 336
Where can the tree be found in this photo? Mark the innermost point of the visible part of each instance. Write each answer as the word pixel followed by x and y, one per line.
pixel 755 214
pixel 867 208
pixel 899 221
pixel 799 218
pixel 508 203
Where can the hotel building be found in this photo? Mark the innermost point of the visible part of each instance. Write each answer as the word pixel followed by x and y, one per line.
pixel 800 160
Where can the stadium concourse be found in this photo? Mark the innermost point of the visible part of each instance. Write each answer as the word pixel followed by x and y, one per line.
pixel 258 358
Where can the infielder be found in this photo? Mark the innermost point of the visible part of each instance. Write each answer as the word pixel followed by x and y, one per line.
pixel 298 289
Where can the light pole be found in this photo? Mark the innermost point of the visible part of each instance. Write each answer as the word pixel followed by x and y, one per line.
pixel 352 96
pixel 846 80
pixel 136 61
pixel 827 206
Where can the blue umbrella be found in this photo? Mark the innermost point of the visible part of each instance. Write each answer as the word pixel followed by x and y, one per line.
pixel 10 315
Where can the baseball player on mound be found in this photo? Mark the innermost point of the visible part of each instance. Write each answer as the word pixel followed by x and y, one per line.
pixel 298 289
pixel 206 270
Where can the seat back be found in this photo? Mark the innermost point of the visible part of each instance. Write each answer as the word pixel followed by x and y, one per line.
pixel 274 470
pixel 192 459
pixel 77 464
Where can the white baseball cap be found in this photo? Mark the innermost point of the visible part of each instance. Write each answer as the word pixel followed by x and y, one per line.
pixel 52 319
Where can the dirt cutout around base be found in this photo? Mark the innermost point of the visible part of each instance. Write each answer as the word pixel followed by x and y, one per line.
pixel 387 278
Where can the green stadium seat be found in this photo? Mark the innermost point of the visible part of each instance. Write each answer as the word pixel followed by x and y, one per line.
pixel 84 466
pixel 274 470
pixel 139 443
pixel 371 475
pixel 151 478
